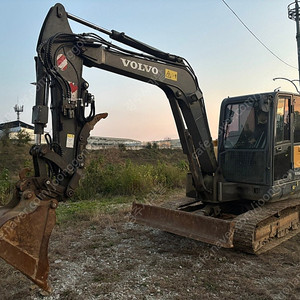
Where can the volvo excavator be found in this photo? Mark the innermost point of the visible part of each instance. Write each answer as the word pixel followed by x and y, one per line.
pixel 247 198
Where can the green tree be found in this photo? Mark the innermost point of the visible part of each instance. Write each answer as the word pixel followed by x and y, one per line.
pixel 23 137
pixel 154 145
pixel 122 147
pixel 5 141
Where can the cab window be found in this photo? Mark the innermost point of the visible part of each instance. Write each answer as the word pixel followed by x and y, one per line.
pixel 282 120
pixel 245 127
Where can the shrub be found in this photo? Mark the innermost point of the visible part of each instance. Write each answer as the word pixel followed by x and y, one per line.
pixel 105 177
pixel 154 146
pixel 23 137
pixel 5 186
pixel 122 147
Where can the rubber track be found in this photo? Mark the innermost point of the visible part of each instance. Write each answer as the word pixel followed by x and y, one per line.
pixel 246 224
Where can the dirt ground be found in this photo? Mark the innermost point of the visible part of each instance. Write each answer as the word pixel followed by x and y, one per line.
pixel 108 257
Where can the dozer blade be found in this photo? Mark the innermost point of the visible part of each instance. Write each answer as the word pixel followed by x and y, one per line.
pixel 202 228
pixel 25 230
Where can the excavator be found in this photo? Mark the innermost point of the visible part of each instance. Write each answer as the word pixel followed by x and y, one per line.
pixel 246 198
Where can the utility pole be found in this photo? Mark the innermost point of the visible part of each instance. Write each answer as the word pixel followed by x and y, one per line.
pixel 294 14
pixel 18 110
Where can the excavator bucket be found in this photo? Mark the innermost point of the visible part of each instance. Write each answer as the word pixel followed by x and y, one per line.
pixel 196 226
pixel 26 224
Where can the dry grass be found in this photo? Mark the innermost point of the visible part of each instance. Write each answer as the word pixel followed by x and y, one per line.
pixel 105 257
pixel 95 253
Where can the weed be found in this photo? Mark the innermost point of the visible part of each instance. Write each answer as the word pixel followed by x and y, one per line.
pixel 5 186
pixel 86 210
pixel 210 286
pixel 106 277
pixel 14 157
pixel 103 176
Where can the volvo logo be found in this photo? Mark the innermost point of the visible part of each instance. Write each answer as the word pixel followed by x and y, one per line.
pixel 139 66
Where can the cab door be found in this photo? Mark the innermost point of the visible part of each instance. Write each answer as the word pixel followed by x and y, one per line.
pixel 296 135
pixel 282 149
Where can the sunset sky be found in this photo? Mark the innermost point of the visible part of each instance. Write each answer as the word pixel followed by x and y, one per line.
pixel 227 59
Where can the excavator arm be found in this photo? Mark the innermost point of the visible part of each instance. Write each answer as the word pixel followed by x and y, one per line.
pixel 61 57
pixel 27 221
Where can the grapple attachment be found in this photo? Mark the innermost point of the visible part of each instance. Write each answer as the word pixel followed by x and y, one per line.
pixel 26 224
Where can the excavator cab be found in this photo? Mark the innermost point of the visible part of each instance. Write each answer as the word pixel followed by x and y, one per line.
pixel 258 144
pixel 244 140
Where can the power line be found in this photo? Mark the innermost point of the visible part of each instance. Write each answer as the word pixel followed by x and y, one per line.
pixel 253 34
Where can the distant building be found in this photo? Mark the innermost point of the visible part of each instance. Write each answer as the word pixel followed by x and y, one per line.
pixel 97 142
pixel 176 144
pixel 167 144
pixel 12 129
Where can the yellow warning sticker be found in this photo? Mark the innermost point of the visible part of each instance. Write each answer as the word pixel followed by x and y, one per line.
pixel 70 140
pixel 169 74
